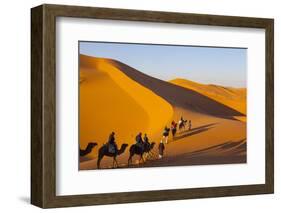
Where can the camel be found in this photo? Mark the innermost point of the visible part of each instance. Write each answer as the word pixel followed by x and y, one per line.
pixel 174 130
pixel 137 150
pixel 182 124
pixel 88 149
pixel 103 151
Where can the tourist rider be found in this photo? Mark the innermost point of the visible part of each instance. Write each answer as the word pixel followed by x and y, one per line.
pixel 173 125
pixel 181 121
pixel 112 146
pixel 139 140
pixel 145 139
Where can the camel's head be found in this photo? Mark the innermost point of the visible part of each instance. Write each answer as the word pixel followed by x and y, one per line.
pixel 124 145
pixel 92 144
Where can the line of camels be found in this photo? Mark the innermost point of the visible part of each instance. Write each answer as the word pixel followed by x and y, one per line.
pixel 134 149
pixel 103 151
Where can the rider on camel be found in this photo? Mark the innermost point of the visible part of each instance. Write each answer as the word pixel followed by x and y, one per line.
pixel 173 125
pixel 139 141
pixel 145 139
pixel 181 120
pixel 112 146
pixel 174 128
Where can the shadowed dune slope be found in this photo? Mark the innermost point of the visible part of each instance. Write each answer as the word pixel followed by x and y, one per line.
pixel 111 101
pixel 234 98
pixel 179 96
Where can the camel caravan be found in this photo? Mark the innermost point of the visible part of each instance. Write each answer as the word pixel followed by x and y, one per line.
pixel 142 146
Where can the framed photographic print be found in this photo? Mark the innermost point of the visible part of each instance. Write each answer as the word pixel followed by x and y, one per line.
pixel 137 106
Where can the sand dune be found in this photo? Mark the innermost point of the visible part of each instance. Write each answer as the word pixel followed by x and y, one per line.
pixel 110 101
pixel 178 96
pixel 115 96
pixel 234 98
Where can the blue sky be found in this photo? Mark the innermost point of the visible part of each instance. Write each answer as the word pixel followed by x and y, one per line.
pixel 209 65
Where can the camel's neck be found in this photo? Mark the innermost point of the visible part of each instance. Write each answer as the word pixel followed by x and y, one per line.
pixel 121 150
pixel 88 149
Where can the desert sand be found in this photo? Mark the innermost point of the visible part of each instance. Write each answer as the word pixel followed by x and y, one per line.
pixel 116 97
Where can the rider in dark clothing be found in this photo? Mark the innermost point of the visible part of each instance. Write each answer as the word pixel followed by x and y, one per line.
pixel 139 140
pixel 173 125
pixel 145 139
pixel 111 141
pixel 111 138
pixel 174 128
pixel 166 131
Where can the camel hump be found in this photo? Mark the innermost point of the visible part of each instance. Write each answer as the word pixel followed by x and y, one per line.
pixel 133 148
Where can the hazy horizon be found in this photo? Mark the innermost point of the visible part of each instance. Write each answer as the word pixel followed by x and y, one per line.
pixel 207 65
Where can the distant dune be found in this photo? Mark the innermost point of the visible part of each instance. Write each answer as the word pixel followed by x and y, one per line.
pixel 234 98
pixel 117 97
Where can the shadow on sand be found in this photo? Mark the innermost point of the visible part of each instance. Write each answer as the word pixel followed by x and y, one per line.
pixel 194 131
pixel 236 146
pixel 230 152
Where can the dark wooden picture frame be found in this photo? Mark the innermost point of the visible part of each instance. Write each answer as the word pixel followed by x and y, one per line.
pixel 43 105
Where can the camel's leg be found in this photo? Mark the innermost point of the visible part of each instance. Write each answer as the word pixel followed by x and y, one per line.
pixel 115 162
pixel 98 163
pixel 141 158
pixel 148 155
pixel 152 155
pixel 130 159
pixel 145 155
pixel 99 160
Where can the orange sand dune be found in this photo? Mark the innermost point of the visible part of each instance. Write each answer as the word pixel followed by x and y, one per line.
pixel 179 96
pixel 234 98
pixel 115 96
pixel 110 101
